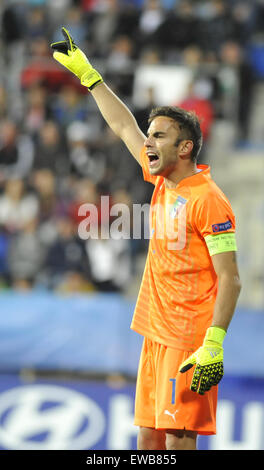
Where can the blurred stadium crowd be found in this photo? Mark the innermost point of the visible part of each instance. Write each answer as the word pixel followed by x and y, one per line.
pixel 56 153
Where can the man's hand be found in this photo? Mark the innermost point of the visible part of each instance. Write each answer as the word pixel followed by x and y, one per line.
pixel 208 358
pixel 71 57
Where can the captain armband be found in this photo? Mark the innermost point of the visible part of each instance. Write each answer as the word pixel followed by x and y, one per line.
pixel 221 243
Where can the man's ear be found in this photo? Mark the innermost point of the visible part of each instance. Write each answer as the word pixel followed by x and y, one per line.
pixel 185 148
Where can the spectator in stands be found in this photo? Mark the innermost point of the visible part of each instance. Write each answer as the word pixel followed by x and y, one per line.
pixel 111 18
pixel 51 149
pixel 138 221
pixel 12 30
pixel 69 106
pixel 120 55
pixel 104 26
pixel 17 206
pixel 150 56
pixel 192 57
pixel 259 17
pixel 198 100
pixel 243 22
pixel 36 23
pixel 54 199
pixel 40 68
pixel 90 5
pixel 73 20
pixel 16 151
pixel 56 11
pixel 36 108
pixel 216 25
pixel 84 158
pixel 183 18
pixel 152 17
pixel 110 262
pixel 233 61
pixel 65 255
pixel 171 35
pixel 25 255
pixel 119 65
pixel 85 191
pixel 143 109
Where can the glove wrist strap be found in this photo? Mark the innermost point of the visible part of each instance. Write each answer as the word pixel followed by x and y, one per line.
pixel 216 334
pixel 91 78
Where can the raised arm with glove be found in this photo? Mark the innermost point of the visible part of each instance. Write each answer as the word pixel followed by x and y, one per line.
pixel 114 111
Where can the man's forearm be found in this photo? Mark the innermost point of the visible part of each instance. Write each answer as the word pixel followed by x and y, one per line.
pixel 226 300
pixel 115 112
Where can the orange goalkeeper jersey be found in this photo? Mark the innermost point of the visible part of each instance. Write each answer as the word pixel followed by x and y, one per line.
pixel 179 286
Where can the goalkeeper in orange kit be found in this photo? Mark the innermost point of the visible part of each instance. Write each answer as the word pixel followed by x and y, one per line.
pixel 190 284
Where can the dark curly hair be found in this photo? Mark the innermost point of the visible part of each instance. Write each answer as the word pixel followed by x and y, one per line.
pixel 188 123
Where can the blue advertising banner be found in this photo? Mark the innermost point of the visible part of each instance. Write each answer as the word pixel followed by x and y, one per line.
pixel 65 415
pixel 42 330
pixel 45 331
pixel 89 415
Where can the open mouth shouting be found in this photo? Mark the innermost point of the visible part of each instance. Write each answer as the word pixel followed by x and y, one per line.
pixel 153 159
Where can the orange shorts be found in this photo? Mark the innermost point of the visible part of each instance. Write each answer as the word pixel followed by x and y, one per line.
pixel 163 396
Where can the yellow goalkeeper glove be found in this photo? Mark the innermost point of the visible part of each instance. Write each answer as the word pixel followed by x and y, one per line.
pixel 208 358
pixel 71 57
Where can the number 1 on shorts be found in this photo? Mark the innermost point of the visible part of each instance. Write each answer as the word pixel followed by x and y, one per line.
pixel 173 391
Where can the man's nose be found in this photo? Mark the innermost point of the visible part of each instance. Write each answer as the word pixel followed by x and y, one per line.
pixel 148 141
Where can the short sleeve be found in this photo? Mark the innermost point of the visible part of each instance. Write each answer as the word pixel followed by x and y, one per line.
pixel 214 219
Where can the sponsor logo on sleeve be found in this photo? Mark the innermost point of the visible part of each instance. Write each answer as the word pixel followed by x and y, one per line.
pixel 222 227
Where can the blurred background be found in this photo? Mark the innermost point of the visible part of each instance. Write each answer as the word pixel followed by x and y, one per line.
pixel 68 359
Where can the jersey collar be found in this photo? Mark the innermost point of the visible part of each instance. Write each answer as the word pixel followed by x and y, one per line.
pixel 198 178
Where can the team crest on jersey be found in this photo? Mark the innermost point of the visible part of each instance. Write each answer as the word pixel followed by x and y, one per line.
pixel 177 206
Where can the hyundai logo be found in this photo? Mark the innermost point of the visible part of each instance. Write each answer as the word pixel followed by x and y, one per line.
pixel 48 417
